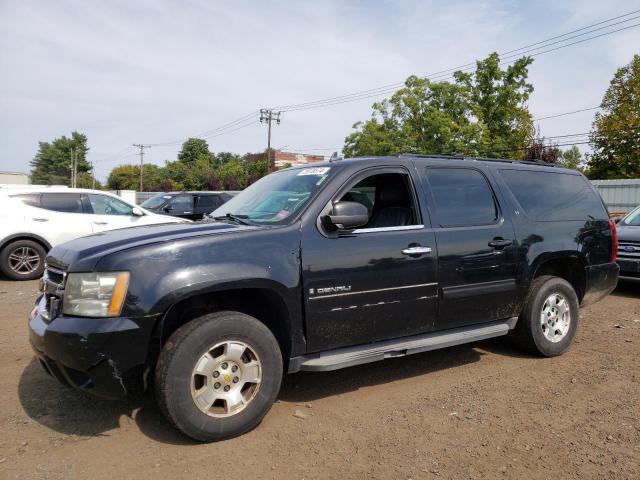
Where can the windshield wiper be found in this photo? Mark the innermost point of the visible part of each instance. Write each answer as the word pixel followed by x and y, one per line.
pixel 236 218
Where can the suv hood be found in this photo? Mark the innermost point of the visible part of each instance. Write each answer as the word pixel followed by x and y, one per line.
pixel 628 233
pixel 82 253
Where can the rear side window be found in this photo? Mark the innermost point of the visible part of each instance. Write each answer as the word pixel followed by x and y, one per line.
pixel 62 202
pixel 550 196
pixel 462 197
pixel 31 199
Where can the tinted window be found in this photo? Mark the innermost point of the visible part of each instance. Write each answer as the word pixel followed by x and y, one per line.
pixel 549 196
pixel 31 199
pixel 209 201
pixel 62 202
pixel 155 202
pixel 181 202
pixel 106 205
pixel 462 197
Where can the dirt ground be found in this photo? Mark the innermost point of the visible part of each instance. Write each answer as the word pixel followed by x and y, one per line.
pixel 477 411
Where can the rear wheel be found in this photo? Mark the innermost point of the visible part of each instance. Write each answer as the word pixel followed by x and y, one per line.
pixel 549 320
pixel 218 375
pixel 22 260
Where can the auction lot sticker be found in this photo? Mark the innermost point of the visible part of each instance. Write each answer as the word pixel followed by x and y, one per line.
pixel 314 171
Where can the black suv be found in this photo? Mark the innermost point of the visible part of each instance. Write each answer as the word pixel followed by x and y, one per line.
pixel 629 245
pixel 190 205
pixel 319 268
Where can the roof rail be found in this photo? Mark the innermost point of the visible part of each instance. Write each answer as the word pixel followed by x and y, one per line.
pixel 483 159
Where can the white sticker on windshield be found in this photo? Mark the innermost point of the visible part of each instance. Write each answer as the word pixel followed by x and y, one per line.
pixel 314 171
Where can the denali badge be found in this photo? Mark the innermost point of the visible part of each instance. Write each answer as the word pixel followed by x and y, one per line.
pixel 336 289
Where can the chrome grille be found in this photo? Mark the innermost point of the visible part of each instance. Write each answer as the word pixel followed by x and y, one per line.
pixel 53 288
pixel 628 249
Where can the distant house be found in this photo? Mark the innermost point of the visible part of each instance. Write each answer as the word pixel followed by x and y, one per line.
pixel 14 178
pixel 282 159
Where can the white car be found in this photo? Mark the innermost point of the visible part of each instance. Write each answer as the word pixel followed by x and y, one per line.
pixel 32 220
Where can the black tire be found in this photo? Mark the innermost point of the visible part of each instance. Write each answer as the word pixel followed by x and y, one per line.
pixel 17 246
pixel 179 356
pixel 529 333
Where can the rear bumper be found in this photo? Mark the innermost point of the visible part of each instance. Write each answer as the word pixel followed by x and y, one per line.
pixel 601 281
pixel 108 358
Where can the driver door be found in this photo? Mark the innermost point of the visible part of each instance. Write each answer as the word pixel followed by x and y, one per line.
pixel 376 282
pixel 109 213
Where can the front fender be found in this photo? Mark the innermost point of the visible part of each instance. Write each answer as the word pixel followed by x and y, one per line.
pixel 164 273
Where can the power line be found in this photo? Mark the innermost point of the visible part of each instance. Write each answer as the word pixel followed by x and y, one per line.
pixel 378 91
pixel 213 132
pixel 566 113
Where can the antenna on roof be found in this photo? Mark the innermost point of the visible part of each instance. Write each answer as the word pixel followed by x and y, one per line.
pixel 334 157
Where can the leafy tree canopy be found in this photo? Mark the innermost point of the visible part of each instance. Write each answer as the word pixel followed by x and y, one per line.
pixel 481 113
pixel 52 163
pixel 195 150
pixel 615 137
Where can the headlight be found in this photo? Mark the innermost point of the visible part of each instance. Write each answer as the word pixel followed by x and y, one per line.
pixel 95 294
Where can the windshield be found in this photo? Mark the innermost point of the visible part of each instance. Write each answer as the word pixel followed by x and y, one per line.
pixel 633 219
pixel 275 199
pixel 155 202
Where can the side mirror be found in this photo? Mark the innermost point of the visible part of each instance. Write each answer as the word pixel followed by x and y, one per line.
pixel 137 212
pixel 346 216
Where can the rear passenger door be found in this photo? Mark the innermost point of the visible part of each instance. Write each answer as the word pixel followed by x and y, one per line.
pixel 59 217
pixel 476 247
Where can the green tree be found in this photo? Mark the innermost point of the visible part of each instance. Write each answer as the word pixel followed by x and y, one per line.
pixel 195 149
pixel 571 158
pixel 615 137
pixel 86 180
pixel 52 163
pixel 127 177
pixel 480 113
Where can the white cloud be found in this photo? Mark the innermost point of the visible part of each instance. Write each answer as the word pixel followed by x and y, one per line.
pixel 149 71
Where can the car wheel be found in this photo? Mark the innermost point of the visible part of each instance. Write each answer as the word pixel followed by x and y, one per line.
pixel 218 375
pixel 22 260
pixel 550 316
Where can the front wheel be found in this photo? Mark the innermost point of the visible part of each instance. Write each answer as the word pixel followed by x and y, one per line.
pixel 550 316
pixel 218 375
pixel 22 260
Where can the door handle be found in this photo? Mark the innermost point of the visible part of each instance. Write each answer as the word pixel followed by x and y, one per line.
pixel 499 243
pixel 40 219
pixel 101 223
pixel 417 250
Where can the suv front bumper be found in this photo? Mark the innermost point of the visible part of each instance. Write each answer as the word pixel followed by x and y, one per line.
pixel 629 267
pixel 106 357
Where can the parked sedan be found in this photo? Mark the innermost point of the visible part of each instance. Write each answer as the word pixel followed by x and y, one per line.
pixel 32 221
pixel 190 205
pixel 629 244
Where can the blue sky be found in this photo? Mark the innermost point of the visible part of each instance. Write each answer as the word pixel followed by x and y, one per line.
pixel 160 71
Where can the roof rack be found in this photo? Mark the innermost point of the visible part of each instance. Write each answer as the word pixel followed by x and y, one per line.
pixel 482 159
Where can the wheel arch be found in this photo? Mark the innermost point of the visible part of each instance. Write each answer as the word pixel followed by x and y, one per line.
pixel 571 268
pixel 25 236
pixel 265 304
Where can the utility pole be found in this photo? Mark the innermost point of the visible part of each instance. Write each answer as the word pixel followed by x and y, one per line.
pixel 268 115
pixel 93 177
pixel 73 168
pixel 141 147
